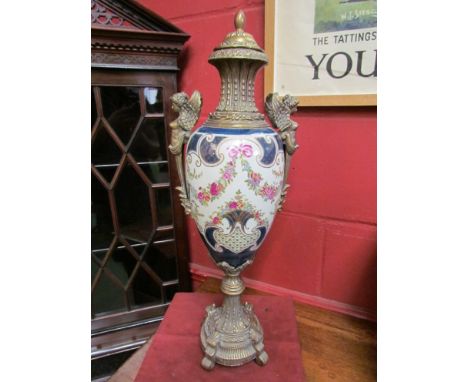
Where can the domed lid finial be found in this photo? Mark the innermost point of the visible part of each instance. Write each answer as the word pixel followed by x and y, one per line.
pixel 238 59
pixel 239 20
pixel 239 44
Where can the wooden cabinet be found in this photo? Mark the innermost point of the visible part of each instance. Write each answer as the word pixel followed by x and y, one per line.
pixel 139 256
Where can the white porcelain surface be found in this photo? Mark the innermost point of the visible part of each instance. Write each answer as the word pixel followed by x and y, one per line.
pixel 234 172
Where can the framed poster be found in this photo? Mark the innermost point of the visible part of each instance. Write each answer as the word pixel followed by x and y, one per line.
pixel 322 51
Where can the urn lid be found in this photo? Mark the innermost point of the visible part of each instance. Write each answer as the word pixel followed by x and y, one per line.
pixel 239 44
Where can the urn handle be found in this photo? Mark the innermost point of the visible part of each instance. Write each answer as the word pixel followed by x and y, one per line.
pixel 279 109
pixel 189 111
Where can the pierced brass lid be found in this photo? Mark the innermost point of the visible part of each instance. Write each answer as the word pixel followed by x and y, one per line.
pixel 239 44
pixel 238 59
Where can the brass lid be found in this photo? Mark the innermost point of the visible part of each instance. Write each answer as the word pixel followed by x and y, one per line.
pixel 239 44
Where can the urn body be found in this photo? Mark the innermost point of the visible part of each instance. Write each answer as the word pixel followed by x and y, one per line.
pixel 234 181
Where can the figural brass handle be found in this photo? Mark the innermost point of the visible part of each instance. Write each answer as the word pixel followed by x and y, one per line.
pixel 189 111
pixel 279 109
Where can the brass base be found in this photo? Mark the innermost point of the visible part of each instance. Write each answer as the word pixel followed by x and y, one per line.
pixel 231 334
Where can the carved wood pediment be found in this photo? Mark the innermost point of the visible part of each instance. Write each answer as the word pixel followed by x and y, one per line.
pixel 126 35
pixel 127 14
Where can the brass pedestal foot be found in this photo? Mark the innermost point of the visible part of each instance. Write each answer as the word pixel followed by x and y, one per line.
pixel 231 334
pixel 262 358
pixel 261 355
pixel 207 364
pixel 210 345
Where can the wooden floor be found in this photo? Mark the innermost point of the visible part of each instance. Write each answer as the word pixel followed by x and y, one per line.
pixel 335 347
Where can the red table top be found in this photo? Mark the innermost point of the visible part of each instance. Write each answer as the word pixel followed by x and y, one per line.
pixel 175 353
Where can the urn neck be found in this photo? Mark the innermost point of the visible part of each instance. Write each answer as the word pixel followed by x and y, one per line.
pixel 238 59
pixel 237 99
pixel 232 284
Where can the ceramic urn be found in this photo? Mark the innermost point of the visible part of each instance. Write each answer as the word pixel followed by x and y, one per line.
pixel 232 185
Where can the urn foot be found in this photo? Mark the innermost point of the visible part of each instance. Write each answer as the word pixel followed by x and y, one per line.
pixel 262 358
pixel 231 335
pixel 207 363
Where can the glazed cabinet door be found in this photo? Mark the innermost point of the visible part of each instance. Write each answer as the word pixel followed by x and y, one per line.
pixel 138 250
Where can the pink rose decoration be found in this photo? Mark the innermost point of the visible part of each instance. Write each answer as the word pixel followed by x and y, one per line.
pixel 233 205
pixel 214 189
pixel 215 220
pixel 269 192
pixel 246 150
pixel 256 178
pixel 228 173
pixel 233 152
pixel 200 196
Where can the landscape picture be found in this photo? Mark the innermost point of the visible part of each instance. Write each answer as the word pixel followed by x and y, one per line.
pixel 342 15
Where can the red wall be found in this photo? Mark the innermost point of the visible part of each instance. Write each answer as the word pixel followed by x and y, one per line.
pixel 322 248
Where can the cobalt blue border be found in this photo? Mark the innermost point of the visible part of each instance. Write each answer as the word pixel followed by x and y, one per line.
pixel 220 130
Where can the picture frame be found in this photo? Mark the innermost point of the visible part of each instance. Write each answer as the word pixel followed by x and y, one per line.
pixel 324 52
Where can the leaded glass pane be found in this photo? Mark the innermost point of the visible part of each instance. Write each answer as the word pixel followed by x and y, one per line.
pixel 104 151
pixel 145 290
pixel 102 230
pixel 161 257
pixel 107 296
pixel 149 144
pixel 133 206
pixel 163 206
pixel 121 108
pixel 156 172
pixel 153 100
